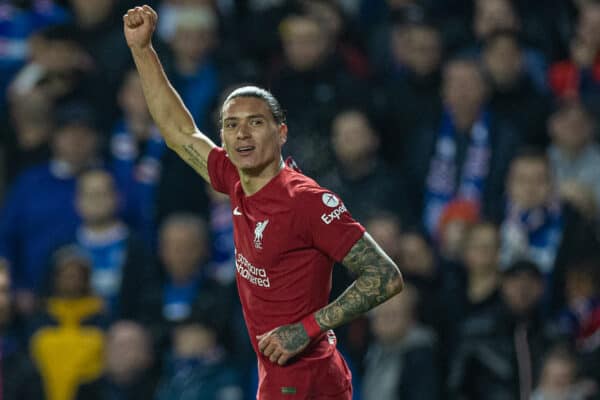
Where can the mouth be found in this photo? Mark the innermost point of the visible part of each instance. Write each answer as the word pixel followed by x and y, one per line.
pixel 243 150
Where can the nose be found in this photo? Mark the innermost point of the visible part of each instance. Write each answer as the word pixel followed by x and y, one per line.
pixel 243 131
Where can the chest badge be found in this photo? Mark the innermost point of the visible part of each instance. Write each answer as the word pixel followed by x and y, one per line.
pixel 258 233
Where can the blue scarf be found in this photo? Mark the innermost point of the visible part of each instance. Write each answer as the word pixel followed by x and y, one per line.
pixel 532 234
pixel 440 187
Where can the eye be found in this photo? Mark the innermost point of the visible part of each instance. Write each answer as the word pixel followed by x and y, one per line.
pixel 229 124
pixel 256 122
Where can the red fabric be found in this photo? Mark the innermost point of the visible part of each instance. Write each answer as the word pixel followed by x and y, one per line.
pixel 287 237
pixel 461 210
pixel 564 78
pixel 311 326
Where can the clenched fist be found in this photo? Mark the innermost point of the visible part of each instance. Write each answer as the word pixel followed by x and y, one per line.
pixel 139 24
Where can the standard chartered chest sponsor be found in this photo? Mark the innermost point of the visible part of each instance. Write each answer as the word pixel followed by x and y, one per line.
pixel 255 275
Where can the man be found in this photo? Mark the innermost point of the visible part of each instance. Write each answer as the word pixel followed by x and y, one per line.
pixel 288 231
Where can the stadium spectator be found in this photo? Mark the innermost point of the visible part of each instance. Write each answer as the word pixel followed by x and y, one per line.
pixel 512 334
pixel 122 272
pixel 573 154
pixel 401 362
pixel 539 227
pixel 130 372
pixel 69 327
pixel 198 367
pixel 20 378
pixel 30 229
pixel 360 177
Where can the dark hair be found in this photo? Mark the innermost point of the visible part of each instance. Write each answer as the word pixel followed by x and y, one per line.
pixel 259 93
pixel 531 153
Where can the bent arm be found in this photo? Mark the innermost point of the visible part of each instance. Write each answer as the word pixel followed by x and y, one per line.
pixel 170 114
pixel 378 279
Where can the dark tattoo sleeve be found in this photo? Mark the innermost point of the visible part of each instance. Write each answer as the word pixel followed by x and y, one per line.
pixel 293 337
pixel 195 159
pixel 378 280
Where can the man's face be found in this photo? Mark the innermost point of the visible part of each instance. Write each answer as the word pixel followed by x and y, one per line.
pixel 75 143
pixel 481 249
pixel 424 50
pixel 182 249
pixel 529 183
pixel 503 61
pixel 588 28
pixel 250 134
pixel 304 42
pixel 522 292
pixel 353 138
pixel 492 16
pixel 570 128
pixel 463 87
pixel 96 197
pixel 131 97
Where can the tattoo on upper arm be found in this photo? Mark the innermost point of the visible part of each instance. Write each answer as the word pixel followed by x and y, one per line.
pixel 378 279
pixel 195 159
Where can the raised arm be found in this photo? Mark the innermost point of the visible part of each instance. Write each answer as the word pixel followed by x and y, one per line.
pixel 378 279
pixel 168 111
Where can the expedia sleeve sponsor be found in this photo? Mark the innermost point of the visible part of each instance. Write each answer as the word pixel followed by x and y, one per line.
pixel 334 215
pixel 256 276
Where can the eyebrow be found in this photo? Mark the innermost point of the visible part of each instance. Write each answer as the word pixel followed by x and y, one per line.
pixel 247 117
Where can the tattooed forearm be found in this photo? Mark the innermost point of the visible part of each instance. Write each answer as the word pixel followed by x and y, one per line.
pixel 378 280
pixel 195 159
pixel 293 337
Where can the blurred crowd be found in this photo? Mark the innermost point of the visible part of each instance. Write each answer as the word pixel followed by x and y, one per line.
pixel 462 133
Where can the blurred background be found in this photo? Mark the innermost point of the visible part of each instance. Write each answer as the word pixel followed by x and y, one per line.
pixel 462 133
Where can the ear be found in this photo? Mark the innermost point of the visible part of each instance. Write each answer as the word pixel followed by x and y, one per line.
pixel 283 132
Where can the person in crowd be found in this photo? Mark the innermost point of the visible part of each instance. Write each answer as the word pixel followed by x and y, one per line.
pixel 20 378
pixel 512 334
pixel 471 286
pixel 463 152
pixel 195 74
pixel 314 85
pixel 401 361
pixel 559 379
pixel 26 135
pixel 512 89
pixel 456 219
pixel 578 321
pixel 184 253
pixel 64 71
pixel 122 272
pixel 130 372
pixel 198 366
pixel 574 155
pixel 538 226
pixel 360 176
pixel 579 76
pixel 408 88
pixel 29 229
pixel 69 327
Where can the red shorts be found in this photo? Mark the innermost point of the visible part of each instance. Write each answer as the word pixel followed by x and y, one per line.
pixel 322 378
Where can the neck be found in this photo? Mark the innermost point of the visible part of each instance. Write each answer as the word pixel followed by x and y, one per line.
pixel 358 168
pixel 253 181
pixel 464 119
pixel 481 285
pixel 101 226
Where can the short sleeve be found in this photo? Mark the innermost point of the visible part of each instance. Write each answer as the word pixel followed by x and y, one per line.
pixel 332 229
pixel 221 171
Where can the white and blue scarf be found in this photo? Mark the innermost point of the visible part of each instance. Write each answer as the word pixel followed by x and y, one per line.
pixel 441 183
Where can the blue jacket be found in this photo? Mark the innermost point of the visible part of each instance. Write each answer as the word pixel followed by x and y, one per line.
pixel 38 216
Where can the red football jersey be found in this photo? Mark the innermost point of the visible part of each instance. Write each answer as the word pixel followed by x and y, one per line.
pixel 287 237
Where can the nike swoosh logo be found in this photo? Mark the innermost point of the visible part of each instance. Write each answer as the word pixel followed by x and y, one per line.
pixel 236 211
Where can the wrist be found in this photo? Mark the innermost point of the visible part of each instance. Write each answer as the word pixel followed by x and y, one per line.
pixel 311 326
pixel 141 50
